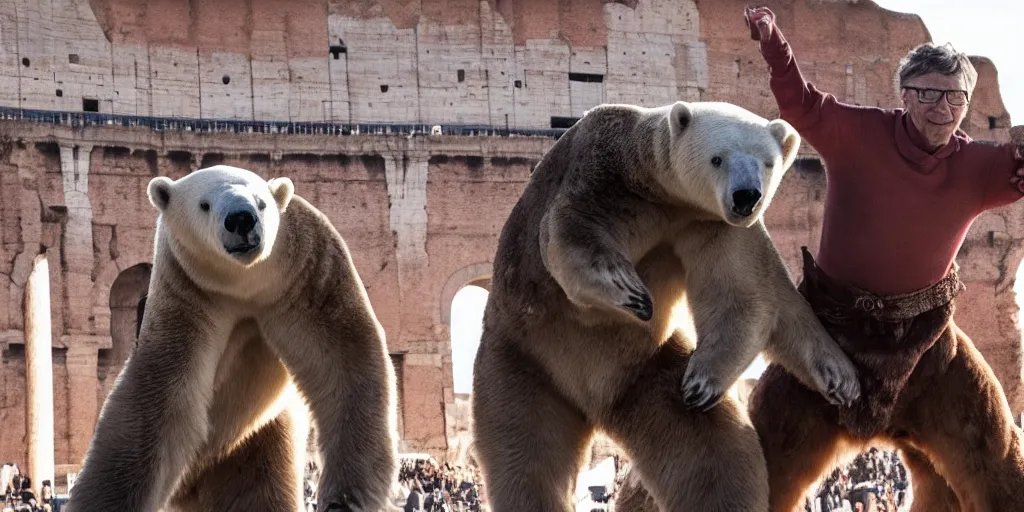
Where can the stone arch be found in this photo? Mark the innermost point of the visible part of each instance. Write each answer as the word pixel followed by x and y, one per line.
pixel 457 431
pixel 477 274
pixel 126 295
pixel 109 273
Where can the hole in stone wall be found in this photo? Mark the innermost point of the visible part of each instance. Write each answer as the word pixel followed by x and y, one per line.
pixel 992 122
pixel 15 351
pixel 384 88
pixel 103 358
pixel 211 159
pixel 338 49
pixel 25 62
pixel 90 105
pixel 179 157
pixel 73 58
pixel 398 363
pixel 563 122
pixel 810 165
pixel 586 77
pixel 60 93
pixel 461 74
pixel 50 149
pixel 226 79
pixel 518 83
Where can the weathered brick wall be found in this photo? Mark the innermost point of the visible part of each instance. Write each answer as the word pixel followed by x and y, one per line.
pixel 373 189
pixel 421 215
pixel 436 61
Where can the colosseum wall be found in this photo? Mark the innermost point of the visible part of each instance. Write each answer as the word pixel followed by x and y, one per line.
pixel 420 213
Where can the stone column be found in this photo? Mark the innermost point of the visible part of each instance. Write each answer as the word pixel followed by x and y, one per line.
pixel 39 374
pixel 406 175
pixel 74 166
pixel 83 402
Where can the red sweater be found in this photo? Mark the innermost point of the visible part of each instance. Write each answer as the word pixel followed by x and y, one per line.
pixel 895 215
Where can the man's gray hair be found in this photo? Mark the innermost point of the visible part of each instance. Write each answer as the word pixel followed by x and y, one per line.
pixel 929 58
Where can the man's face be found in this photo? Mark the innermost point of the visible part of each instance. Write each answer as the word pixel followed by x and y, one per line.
pixel 937 115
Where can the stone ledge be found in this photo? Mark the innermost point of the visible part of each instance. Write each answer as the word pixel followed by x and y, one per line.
pixel 92 341
pixel 241 143
pixel 11 336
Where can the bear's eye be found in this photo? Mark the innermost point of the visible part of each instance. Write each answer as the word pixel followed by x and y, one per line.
pixel 205 206
pixel 716 161
pixel 768 165
pixel 261 205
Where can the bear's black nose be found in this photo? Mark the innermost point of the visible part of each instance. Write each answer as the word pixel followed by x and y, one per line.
pixel 240 222
pixel 743 201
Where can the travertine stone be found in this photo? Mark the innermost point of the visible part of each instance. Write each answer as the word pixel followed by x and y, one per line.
pixel 421 215
pixel 39 374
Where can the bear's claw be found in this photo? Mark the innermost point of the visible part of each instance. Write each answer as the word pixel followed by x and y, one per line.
pixel 641 305
pixel 839 386
pixel 701 395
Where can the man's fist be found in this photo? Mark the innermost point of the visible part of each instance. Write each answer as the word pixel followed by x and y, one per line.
pixel 760 21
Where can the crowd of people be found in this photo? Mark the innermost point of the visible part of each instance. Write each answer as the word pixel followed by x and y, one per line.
pixel 18 495
pixel 875 481
pixel 427 486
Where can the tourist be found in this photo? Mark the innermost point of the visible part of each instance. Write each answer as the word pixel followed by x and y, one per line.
pixel 903 187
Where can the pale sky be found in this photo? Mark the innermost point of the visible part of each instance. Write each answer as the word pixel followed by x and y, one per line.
pixel 467 325
pixel 989 28
pixel 978 27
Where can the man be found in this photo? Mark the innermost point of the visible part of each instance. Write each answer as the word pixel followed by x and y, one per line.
pixel 904 186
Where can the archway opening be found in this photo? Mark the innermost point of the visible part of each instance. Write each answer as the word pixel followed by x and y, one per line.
pixel 466 328
pixel 126 295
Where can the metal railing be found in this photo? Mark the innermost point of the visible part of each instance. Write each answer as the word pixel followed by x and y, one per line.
pixel 180 124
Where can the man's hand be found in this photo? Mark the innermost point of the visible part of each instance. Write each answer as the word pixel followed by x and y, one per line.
pixel 760 21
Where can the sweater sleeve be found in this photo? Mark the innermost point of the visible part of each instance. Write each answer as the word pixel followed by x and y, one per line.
pixel 818 116
pixel 999 165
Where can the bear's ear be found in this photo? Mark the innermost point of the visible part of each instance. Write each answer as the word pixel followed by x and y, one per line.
pixel 160 192
pixel 282 190
pixel 788 139
pixel 679 118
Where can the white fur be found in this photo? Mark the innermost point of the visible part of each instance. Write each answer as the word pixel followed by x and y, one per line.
pixel 727 131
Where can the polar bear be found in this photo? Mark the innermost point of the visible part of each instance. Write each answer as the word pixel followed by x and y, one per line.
pixel 253 302
pixel 634 222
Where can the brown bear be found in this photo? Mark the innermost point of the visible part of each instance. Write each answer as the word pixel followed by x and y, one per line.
pixel 638 237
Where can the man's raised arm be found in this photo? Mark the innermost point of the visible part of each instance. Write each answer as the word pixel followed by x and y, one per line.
pixel 812 112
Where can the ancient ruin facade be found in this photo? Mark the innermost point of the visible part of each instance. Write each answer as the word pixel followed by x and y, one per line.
pixel 421 213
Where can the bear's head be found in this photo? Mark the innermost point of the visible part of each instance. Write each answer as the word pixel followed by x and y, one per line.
pixel 222 212
pixel 725 159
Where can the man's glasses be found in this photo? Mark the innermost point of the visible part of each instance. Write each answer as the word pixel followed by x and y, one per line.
pixel 953 97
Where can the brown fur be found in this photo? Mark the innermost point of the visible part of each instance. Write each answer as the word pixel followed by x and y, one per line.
pixel 885 353
pixel 204 415
pixel 607 231
pixel 632 497
pixel 952 415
